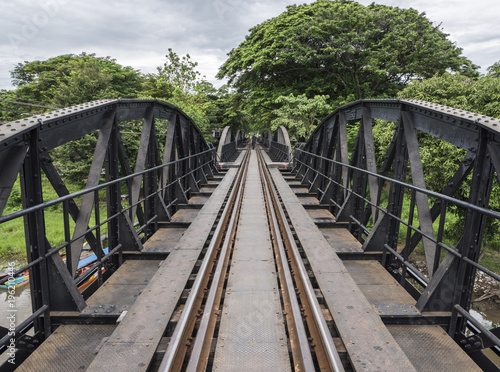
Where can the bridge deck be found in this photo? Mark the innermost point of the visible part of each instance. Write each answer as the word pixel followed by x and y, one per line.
pixel 252 331
pixel 361 296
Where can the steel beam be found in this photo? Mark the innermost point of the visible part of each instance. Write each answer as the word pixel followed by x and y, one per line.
pixel 88 199
pixel 417 173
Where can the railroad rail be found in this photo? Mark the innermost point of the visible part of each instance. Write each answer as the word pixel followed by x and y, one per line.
pixel 310 341
pixel 242 261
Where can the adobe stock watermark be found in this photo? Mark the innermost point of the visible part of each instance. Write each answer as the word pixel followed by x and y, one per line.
pixel 32 25
pixel 11 312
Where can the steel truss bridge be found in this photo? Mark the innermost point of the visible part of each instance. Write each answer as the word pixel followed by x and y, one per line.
pixel 279 258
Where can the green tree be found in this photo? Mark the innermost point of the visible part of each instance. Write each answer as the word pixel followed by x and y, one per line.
pixel 338 48
pixel 494 70
pixel 480 95
pixel 179 82
pixel 13 108
pixel 87 81
pixel 299 114
pixel 71 79
pixel 74 158
pixel 181 72
pixel 441 159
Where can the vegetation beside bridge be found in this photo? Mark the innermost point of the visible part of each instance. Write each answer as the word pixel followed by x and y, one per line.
pixel 290 70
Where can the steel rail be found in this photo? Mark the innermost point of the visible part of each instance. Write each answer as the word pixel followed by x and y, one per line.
pixel 201 349
pixel 310 300
pixel 175 353
pixel 301 352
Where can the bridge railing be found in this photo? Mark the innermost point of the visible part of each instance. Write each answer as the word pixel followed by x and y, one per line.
pixel 228 150
pixel 370 193
pixel 229 143
pixel 280 151
pixel 126 213
pixel 137 202
pixel 278 144
pixel 391 251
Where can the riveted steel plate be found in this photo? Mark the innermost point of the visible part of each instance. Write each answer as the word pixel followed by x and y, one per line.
pixel 104 310
pixel 386 294
pixel 369 272
pixel 252 333
pixel 397 309
pixel 135 272
pixel 198 199
pixel 321 215
pixel 303 191
pixel 252 275
pixel 70 348
pixel 185 215
pixel 120 294
pixel 308 200
pixel 430 348
pixel 126 284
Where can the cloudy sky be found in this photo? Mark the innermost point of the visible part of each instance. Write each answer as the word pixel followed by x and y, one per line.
pixel 138 34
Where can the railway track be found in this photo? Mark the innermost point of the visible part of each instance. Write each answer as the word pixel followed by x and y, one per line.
pixel 252 302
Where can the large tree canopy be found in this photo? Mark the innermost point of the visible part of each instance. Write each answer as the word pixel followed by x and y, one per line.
pixel 71 79
pixel 341 49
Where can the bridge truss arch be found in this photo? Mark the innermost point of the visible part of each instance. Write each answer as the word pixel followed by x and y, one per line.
pixel 229 142
pixel 279 144
pixel 171 161
pixel 368 188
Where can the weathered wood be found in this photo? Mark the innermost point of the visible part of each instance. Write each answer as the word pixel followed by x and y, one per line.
pixel 132 345
pixel 353 315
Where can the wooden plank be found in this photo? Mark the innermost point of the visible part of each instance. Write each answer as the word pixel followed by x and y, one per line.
pixel 341 239
pixel 132 345
pixel 354 316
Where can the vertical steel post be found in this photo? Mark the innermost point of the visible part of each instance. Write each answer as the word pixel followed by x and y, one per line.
pixel 34 226
pixel 113 194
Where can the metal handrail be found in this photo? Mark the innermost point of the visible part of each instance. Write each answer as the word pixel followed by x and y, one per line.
pixel 452 250
pixel 285 153
pixel 61 199
pixel 66 198
pixel 434 194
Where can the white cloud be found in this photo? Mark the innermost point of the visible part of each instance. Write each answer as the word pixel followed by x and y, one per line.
pixel 139 34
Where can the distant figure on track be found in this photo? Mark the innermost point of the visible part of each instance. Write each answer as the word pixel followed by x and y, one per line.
pixel 254 139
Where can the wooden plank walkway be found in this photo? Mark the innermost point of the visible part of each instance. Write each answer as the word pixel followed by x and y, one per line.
pixel 359 292
pixel 135 340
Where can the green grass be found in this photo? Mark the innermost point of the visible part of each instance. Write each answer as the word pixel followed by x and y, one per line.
pixel 491 259
pixel 12 241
